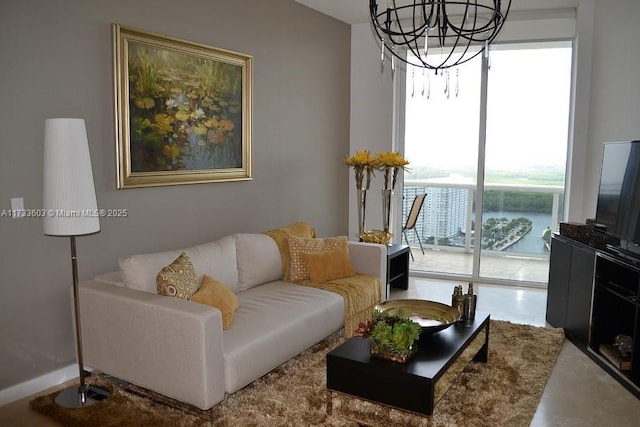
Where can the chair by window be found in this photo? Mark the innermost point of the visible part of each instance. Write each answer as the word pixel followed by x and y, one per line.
pixel 412 218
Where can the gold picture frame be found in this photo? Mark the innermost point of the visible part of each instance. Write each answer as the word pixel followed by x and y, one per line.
pixel 183 111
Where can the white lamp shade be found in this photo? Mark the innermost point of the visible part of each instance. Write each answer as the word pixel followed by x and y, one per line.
pixel 69 198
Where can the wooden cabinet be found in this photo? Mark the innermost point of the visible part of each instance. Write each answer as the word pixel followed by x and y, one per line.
pixel 594 294
pixel 570 288
pixel 558 289
pixel 580 291
pixel 616 313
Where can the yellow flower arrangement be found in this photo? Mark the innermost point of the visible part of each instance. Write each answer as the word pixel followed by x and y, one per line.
pixel 388 162
pixel 362 162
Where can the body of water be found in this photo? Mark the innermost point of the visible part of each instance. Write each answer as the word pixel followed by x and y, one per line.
pixel 532 242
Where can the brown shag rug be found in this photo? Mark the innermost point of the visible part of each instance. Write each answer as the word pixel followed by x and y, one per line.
pixel 503 392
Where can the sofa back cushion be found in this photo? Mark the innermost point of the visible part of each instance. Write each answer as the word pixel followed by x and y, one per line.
pixel 258 260
pixel 216 259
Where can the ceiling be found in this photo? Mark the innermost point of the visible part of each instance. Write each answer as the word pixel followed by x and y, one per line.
pixel 349 11
pixel 357 11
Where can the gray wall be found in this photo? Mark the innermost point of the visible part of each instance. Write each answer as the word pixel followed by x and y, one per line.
pixel 56 61
pixel 371 118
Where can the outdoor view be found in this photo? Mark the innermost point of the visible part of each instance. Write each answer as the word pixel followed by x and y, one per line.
pixel 524 157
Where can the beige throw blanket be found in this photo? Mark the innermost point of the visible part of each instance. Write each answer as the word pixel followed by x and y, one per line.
pixel 361 292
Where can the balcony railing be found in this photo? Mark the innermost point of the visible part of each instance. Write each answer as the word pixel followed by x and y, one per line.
pixel 465 240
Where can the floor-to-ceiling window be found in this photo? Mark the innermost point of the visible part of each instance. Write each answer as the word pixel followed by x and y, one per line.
pixel 511 164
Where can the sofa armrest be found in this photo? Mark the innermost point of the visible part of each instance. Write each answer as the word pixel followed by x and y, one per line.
pixel 164 344
pixel 370 258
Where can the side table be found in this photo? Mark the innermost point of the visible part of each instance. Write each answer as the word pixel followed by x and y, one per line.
pixel 397 267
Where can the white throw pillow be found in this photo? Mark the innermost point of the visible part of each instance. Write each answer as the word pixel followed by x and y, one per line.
pixel 216 259
pixel 258 260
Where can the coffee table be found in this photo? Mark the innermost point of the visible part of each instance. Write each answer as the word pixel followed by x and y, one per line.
pixel 414 386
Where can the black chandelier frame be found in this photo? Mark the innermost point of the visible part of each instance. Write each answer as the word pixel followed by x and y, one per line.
pixel 404 24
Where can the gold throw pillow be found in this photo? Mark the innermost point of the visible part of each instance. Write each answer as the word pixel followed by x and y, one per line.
pixel 217 295
pixel 328 265
pixel 297 269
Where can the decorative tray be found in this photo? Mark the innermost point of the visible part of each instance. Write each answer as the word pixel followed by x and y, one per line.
pixel 430 315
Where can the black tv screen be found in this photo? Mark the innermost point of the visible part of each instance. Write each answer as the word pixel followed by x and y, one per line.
pixel 619 194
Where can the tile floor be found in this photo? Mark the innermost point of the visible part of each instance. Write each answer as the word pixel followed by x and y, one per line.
pixel 498 266
pixel 578 392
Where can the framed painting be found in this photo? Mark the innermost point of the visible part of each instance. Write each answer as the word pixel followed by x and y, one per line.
pixel 183 111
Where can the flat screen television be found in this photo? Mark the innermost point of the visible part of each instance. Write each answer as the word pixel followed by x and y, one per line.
pixel 618 206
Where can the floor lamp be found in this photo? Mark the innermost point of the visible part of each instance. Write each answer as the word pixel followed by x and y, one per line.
pixel 69 201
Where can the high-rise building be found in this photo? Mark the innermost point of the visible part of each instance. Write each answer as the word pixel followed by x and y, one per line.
pixel 443 214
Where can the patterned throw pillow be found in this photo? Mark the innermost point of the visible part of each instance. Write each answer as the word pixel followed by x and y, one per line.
pixel 178 279
pixel 298 270
pixel 217 295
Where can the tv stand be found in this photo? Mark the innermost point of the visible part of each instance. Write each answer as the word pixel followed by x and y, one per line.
pixel 632 256
pixel 616 312
pixel 594 294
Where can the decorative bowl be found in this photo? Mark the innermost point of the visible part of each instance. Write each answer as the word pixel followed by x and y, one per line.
pixel 375 236
pixel 430 315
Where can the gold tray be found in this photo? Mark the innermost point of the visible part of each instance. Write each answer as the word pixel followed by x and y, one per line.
pixel 430 315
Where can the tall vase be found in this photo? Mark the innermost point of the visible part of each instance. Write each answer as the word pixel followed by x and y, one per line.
pixel 362 209
pixel 386 210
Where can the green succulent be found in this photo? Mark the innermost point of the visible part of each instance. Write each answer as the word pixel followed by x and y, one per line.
pixel 394 331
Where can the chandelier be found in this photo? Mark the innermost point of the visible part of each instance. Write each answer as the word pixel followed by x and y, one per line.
pixel 437 34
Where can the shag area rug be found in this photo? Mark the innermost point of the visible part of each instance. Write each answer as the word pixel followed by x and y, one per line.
pixel 503 392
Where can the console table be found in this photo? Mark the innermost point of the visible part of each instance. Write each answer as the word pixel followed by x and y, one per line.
pixel 397 267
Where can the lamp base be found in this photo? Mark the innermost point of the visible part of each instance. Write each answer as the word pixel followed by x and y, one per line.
pixel 70 397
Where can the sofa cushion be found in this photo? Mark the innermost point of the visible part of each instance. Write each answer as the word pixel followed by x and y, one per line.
pixel 328 265
pixel 298 270
pixel 216 294
pixel 275 322
pixel 258 260
pixel 178 279
pixel 216 259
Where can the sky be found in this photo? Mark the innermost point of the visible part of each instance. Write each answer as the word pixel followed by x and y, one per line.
pixel 528 112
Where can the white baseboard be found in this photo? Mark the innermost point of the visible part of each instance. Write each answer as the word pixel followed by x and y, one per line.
pixel 38 384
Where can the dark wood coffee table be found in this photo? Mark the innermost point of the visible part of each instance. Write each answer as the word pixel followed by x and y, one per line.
pixel 414 386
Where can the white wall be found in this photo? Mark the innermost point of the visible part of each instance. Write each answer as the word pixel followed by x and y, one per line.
pixel 56 61
pixel 615 86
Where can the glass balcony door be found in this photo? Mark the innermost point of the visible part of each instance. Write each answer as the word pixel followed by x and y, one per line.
pixel 528 96
pixel 442 121
pixel 502 130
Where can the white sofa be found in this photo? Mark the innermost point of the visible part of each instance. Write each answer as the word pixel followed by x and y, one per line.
pixel 179 349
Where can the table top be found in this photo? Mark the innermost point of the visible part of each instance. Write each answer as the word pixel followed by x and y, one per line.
pixel 435 351
pixel 392 249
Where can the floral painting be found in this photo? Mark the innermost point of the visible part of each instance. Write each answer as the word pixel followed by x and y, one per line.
pixel 184 111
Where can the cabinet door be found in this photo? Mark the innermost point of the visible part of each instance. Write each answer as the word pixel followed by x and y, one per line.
pixel 558 289
pixel 580 292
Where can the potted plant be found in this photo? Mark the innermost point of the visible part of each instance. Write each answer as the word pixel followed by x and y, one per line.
pixel 391 336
